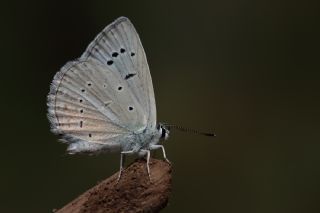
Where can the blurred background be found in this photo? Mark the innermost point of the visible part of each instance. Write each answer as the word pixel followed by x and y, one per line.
pixel 249 70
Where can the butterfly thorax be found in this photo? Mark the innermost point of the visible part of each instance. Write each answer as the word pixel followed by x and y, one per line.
pixel 144 139
pixel 141 140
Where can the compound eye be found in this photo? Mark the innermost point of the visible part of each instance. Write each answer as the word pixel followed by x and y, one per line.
pixel 163 132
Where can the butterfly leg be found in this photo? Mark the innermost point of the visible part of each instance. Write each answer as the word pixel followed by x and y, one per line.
pixel 122 160
pixel 148 160
pixel 157 146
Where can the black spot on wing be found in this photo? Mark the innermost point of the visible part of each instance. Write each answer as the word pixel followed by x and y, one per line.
pixel 115 54
pixel 107 103
pixel 130 75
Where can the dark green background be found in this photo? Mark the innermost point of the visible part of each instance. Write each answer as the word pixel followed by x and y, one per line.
pixel 247 69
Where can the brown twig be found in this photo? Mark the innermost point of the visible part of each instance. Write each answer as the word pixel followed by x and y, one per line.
pixel 133 193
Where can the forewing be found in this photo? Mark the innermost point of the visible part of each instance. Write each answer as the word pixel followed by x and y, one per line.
pixel 89 102
pixel 119 48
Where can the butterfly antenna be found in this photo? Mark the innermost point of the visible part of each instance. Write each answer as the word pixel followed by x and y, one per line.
pixel 184 129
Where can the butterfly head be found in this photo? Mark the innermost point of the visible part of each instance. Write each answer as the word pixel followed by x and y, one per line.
pixel 163 131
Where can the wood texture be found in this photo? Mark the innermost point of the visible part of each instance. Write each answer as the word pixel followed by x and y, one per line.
pixel 133 193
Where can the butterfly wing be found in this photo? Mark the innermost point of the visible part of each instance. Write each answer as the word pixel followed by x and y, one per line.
pixel 106 95
pixel 119 48
pixel 90 104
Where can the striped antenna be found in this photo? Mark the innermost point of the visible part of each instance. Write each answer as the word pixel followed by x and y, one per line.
pixel 184 129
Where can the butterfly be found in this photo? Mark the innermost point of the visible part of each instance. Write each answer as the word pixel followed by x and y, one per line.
pixel 104 100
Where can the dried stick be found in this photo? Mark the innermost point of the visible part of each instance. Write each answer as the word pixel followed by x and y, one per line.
pixel 133 193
